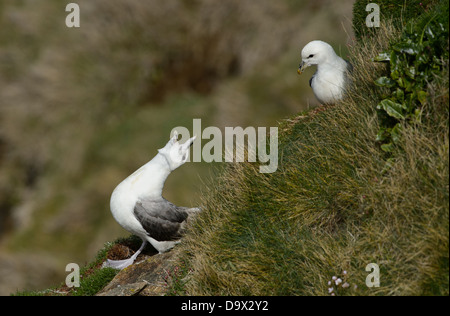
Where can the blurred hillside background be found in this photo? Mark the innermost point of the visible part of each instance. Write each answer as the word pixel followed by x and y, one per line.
pixel 82 108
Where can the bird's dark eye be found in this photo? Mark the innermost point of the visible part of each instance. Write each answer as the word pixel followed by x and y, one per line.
pixel 311 56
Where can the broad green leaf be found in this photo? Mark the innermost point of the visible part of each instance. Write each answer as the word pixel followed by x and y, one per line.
pixel 393 109
pixel 387 147
pixel 381 135
pixel 422 97
pixel 382 57
pixel 385 82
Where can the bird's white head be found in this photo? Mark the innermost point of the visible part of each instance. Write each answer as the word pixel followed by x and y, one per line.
pixel 315 53
pixel 175 153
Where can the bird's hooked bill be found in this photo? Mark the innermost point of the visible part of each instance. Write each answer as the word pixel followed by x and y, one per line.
pixel 301 68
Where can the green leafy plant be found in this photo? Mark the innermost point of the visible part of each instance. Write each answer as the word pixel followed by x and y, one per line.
pixel 414 61
pixel 399 12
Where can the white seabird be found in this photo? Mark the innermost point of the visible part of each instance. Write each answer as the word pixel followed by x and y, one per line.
pixel 330 80
pixel 138 206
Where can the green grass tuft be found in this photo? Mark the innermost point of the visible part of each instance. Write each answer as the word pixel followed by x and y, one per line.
pixel 93 283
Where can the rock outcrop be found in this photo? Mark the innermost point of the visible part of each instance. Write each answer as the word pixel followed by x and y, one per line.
pixel 144 278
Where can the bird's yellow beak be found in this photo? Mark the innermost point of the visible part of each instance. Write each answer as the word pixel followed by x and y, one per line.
pixel 301 68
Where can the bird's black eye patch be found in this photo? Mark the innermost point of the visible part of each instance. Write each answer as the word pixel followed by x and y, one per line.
pixel 311 56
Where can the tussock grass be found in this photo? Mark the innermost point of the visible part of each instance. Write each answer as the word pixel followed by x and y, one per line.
pixel 334 204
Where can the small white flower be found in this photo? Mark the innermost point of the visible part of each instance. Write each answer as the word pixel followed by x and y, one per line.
pixel 334 278
pixel 338 281
pixel 330 290
pixel 332 294
pixel 345 272
pixel 345 285
pixel 329 283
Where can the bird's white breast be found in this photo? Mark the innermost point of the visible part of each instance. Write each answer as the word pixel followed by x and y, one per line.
pixel 328 86
pixel 147 181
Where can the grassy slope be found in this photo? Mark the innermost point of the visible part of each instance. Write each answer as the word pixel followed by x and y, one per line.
pixel 332 205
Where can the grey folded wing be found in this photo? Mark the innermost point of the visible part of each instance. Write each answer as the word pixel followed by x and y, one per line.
pixel 160 218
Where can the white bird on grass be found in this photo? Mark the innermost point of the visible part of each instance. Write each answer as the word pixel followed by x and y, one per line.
pixel 331 78
pixel 138 206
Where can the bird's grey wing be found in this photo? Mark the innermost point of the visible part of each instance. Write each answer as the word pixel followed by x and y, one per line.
pixel 312 78
pixel 160 218
pixel 349 66
pixel 348 73
pixel 163 209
